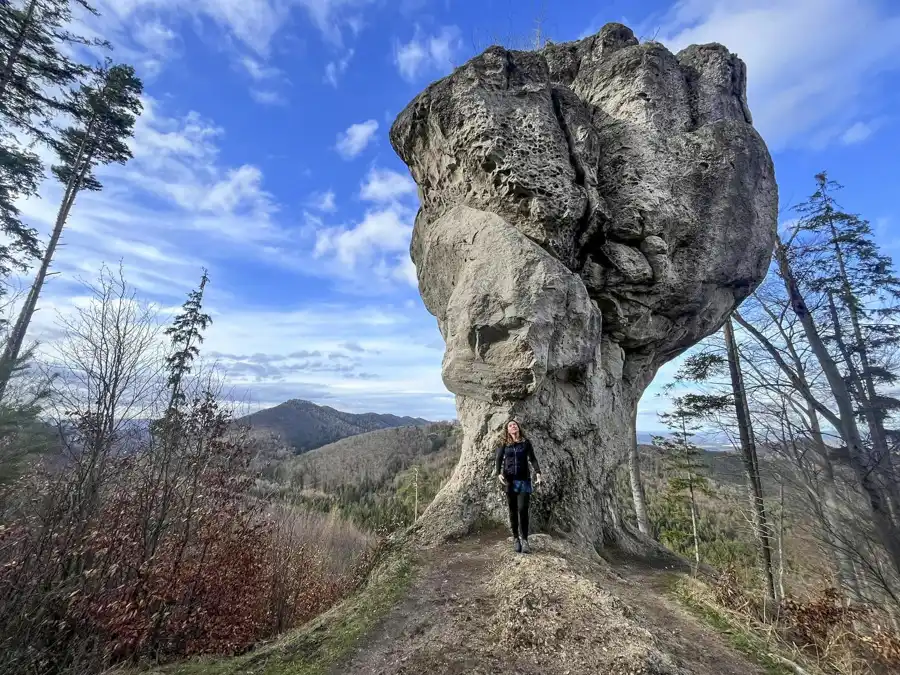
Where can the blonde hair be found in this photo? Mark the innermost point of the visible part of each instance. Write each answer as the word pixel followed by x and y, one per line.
pixel 504 434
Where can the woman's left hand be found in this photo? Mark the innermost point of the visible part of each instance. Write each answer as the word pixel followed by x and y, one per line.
pixel 538 480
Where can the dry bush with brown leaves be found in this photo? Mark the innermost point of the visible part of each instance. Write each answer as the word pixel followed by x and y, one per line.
pixel 141 542
pixel 160 555
pixel 835 635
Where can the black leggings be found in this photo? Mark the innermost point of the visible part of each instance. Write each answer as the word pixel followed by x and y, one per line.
pixel 518 512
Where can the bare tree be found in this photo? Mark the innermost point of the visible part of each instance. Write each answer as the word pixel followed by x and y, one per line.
pixel 109 362
pixel 793 406
pixel 637 485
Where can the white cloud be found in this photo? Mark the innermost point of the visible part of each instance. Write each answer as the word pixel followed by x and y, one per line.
pixel 857 133
pixel 254 23
pixel 382 230
pixel 154 36
pixel 258 70
pixel 372 252
pixel 811 77
pixel 330 15
pixel 406 272
pixel 324 201
pixel 174 196
pixel 266 80
pixel 268 97
pixel 375 357
pixel 428 54
pixel 356 138
pixel 385 185
pixel 335 69
pixel 181 205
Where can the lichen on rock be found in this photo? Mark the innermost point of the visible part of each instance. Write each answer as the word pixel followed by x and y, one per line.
pixel 588 212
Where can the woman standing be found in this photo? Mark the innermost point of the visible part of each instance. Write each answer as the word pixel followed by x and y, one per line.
pixel 512 463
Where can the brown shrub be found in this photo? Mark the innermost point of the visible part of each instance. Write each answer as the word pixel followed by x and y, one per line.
pixel 159 554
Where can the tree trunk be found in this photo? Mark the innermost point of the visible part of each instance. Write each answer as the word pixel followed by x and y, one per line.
pixel 830 510
pixel 781 565
pixel 887 532
pixel 694 527
pixel 637 485
pixel 751 462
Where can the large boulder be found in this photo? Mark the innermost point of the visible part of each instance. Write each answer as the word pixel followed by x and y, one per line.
pixel 588 212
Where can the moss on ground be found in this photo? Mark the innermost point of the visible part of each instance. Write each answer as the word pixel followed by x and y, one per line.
pixel 740 638
pixel 318 646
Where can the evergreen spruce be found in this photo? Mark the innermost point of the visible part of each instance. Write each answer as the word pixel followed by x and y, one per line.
pixel 34 74
pixel 186 333
pixel 104 112
pixel 685 459
pixel 858 285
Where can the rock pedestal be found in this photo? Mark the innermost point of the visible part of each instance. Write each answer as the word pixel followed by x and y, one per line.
pixel 588 212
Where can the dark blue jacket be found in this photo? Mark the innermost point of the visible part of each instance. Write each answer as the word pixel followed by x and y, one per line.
pixel 512 460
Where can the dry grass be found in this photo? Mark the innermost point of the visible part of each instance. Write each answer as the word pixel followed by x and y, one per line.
pixel 817 635
pixel 548 606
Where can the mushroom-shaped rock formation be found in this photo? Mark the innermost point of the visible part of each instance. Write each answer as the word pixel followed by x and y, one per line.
pixel 588 212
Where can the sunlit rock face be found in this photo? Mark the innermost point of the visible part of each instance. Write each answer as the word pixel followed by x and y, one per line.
pixel 588 211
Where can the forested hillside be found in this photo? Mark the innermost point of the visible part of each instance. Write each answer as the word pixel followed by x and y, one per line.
pixel 303 425
pixel 374 479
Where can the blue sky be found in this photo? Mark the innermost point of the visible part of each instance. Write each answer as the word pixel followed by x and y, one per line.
pixel 263 155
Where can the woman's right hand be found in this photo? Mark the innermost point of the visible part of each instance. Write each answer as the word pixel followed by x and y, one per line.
pixel 501 478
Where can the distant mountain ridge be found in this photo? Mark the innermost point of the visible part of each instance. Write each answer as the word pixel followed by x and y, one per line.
pixel 304 425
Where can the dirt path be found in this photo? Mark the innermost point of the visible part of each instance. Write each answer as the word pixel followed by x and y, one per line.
pixel 475 607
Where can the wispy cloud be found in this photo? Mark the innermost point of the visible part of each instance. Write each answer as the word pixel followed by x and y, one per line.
pixel 253 23
pixel 142 29
pixel 332 16
pixel 373 358
pixel 323 201
pixel 356 138
pixel 428 54
pixel 857 133
pixel 183 203
pixel 810 79
pixel 268 97
pixel 175 195
pixel 335 69
pixel 259 71
pixel 381 230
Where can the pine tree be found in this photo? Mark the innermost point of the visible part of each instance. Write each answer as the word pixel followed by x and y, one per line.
pixel 186 333
pixel 104 112
pixel 685 460
pixel 862 292
pixel 33 68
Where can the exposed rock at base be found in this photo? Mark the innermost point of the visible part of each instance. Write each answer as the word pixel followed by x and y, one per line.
pixel 588 211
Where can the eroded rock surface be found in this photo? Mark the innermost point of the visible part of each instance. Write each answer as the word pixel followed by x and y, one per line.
pixel 588 211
